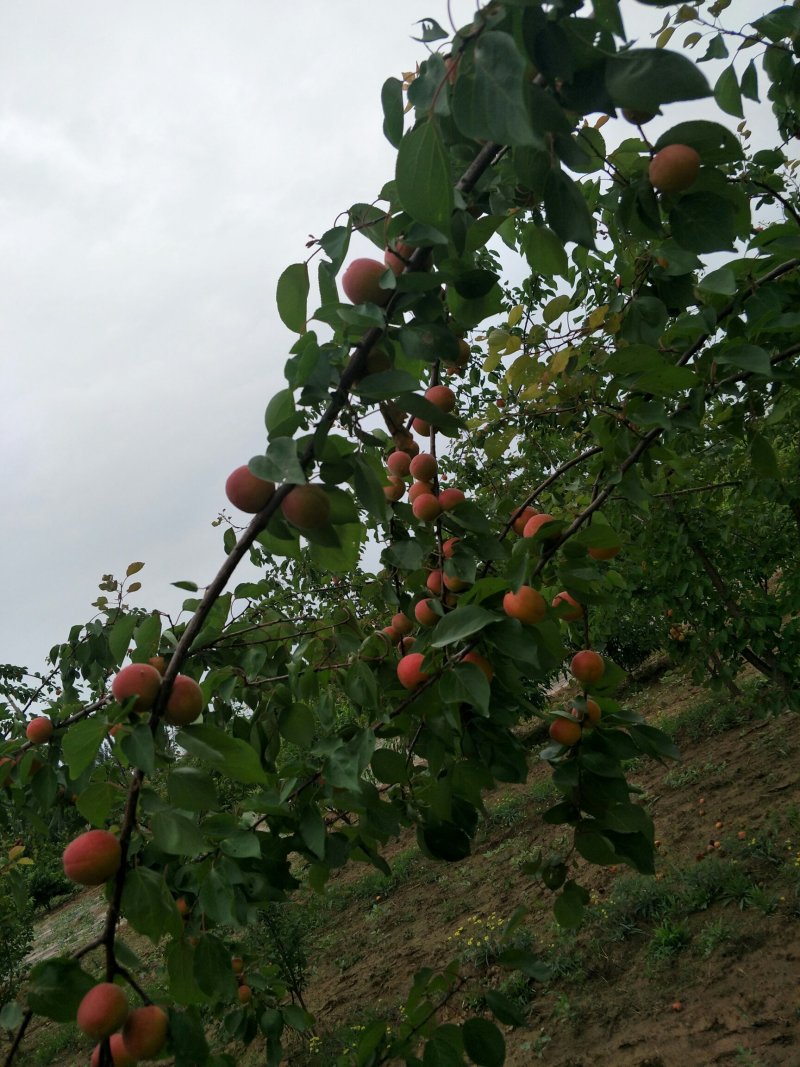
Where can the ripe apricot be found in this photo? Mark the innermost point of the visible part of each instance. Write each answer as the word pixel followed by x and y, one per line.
pixel 103 1010
pixel 185 701
pixel 674 168
pixel 449 546
pixel 145 1031
pixel 424 613
pixel 576 610
pixel 426 507
pixel 587 667
pixel 92 858
pixel 434 582
pixel 139 680
pixel 423 467
pixel 442 397
pixel 520 522
pixel 418 489
pixel 450 498
pixel 120 1056
pixel 527 604
pixel 421 427
pixel 535 523
pixel 402 623
pixel 246 491
pixel 245 994
pixel 409 671
pixel 398 463
pixel 604 553
pixel 395 489
pixel 480 661
pixel 565 732
pixel 307 507
pixel 39 730
pixel 361 282
pixel 592 714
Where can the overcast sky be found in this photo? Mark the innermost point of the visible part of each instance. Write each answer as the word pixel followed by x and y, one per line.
pixel 160 164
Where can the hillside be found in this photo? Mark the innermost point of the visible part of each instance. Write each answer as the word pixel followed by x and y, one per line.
pixel 697 965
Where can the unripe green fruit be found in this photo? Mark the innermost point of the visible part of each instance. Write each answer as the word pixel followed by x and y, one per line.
pixel 247 492
pixel 92 858
pixel 307 507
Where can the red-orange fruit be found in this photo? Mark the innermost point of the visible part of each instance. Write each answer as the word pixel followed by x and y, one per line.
pixel 391 633
pixel 592 715
pixel 182 906
pixel 434 582
pixel 423 467
pixel 535 523
pixel 39 730
pixel 185 701
pixel 247 492
pixel 237 964
pixel 674 168
pixel 426 507
pixel 442 397
pixel 120 1056
pixel 398 463
pixel 450 498
pixel 527 604
pixel 361 282
pixel 587 667
pixel 92 858
pixel 421 427
pixel 409 671
pixel 449 546
pixel 406 644
pixel 397 257
pixel 307 507
pixel 480 661
pixel 402 623
pixel 518 525
pixel 576 611
pixel 245 994
pixel 565 732
pixel 454 584
pixel 139 680
pixel 145 1031
pixel 103 1010
pixel 395 489
pixel 159 663
pixel 604 553
pixel 424 613
pixel 419 489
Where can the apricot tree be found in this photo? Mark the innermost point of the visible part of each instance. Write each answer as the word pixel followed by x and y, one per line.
pixel 644 354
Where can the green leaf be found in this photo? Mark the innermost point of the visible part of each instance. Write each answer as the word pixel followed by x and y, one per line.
pixel 56 987
pixel 212 968
pixel 120 636
pixel 703 222
pixel 566 209
pixel 11 1015
pixel 423 181
pixel 280 464
pixel 96 801
pixel 292 297
pixel 297 725
pixel 392 103
pixel 488 98
pixel 192 789
pixel 139 748
pixel 229 754
pixel 713 142
pixel 483 1043
pixel 82 743
pixel 386 385
pixel 744 357
pixel 520 959
pixel 192 587
pixel 570 905
pixel 720 282
pixel 727 93
pixel 389 766
pixel 645 78
pixel 504 1009
pixel 176 834
pixel 147 637
pixel 763 457
pixel 183 985
pixel 281 417
pixel 544 251
pixel 148 906
pixel 460 624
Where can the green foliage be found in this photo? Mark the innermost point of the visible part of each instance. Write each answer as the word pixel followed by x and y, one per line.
pixel 641 394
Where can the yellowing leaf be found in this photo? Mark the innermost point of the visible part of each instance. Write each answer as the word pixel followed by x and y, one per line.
pixel 664 36
pixel 497 340
pixel 491 361
pixel 514 344
pixel 560 360
pixel 555 309
pixel 26 861
pixel 601 121
pixel 518 371
pixel 15 851
pixel 514 315
pixel 597 317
